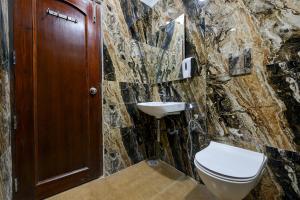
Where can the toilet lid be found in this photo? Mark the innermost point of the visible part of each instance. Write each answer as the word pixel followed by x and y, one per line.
pixel 230 161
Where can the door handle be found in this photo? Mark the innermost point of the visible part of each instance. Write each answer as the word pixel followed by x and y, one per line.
pixel 93 91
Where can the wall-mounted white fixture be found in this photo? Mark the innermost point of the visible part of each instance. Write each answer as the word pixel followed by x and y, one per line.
pixel 187 68
pixel 230 173
pixel 161 109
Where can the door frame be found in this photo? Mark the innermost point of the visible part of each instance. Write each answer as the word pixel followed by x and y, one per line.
pixel 24 28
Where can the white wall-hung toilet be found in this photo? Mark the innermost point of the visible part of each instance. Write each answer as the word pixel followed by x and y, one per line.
pixel 230 173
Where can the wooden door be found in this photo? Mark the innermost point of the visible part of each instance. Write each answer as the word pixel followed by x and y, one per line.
pixel 58 141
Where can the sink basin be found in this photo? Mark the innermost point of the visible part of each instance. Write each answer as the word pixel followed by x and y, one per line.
pixel 161 109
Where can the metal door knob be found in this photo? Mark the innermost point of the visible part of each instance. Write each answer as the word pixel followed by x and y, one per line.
pixel 93 91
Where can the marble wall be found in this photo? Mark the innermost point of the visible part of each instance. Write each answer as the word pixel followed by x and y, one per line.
pixel 5 146
pixel 245 94
pixel 257 110
pixel 138 56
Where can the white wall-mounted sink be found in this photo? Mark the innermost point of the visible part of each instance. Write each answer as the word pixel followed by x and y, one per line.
pixel 161 109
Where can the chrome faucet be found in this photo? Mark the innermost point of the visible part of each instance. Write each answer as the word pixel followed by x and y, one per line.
pixel 164 96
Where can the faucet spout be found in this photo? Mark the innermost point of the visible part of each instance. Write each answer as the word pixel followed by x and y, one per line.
pixel 163 96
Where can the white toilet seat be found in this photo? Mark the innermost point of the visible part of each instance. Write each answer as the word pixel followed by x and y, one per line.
pixel 230 162
pixel 224 177
pixel 230 173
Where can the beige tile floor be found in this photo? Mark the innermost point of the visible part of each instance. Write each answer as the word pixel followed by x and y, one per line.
pixel 140 182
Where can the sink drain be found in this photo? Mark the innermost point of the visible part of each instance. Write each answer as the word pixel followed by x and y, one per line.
pixel 152 163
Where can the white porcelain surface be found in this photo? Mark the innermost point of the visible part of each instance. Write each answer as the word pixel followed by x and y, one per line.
pixel 223 186
pixel 161 109
pixel 226 189
pixel 230 161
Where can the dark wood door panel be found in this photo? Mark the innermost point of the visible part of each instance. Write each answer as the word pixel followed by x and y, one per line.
pixel 61 96
pixel 59 131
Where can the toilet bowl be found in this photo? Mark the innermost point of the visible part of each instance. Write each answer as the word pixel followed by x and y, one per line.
pixel 230 173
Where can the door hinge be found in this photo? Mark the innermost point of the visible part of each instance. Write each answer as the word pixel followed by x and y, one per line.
pixel 95 3
pixel 99 2
pixel 14 58
pixel 16 184
pixel 15 122
pixel 94 11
